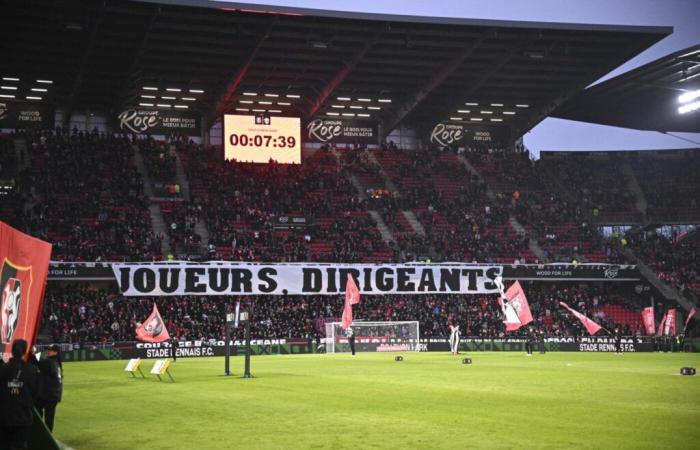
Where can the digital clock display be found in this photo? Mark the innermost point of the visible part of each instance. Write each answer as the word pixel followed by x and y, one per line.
pixel 262 138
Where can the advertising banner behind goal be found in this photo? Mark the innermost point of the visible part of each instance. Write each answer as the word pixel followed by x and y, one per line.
pixel 234 278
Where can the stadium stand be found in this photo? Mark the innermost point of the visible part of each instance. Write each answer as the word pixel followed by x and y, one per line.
pixel 463 218
pixel 241 202
pixel 82 192
pixel 86 315
pixel 674 257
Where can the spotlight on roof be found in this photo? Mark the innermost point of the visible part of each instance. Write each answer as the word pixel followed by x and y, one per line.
pixel 689 107
pixel 688 96
pixel 689 102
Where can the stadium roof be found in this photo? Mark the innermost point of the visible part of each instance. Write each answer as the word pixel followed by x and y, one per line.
pixel 100 54
pixel 645 98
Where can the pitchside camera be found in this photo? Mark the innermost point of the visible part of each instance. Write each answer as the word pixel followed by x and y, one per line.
pixel 467 361
pixel 398 358
pixel 687 370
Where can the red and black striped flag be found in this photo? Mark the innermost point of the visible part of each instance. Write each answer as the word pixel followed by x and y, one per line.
pixel 25 264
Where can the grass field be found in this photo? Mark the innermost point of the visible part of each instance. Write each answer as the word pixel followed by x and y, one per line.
pixel 430 400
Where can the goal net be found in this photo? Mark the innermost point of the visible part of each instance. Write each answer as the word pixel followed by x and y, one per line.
pixel 374 337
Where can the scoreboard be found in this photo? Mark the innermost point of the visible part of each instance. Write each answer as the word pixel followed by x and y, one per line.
pixel 261 138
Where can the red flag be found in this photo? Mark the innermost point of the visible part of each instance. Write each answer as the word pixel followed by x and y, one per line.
pixel 660 330
pixel 690 316
pixel 352 297
pixel 670 326
pixel 591 326
pixel 25 264
pixel 516 309
pixel 648 319
pixel 153 329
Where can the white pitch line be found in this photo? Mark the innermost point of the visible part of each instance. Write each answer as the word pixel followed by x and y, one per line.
pixel 64 446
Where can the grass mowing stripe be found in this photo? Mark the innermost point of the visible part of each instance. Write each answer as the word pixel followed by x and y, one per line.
pixel 429 400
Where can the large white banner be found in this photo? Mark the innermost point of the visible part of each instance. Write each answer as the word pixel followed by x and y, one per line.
pixel 235 278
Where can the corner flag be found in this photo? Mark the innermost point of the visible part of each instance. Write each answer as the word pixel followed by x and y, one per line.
pixel 352 297
pixel 153 329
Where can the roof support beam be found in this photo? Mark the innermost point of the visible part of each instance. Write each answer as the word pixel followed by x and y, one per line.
pixel 132 73
pixel 78 80
pixel 501 61
pixel 438 78
pixel 341 75
pixel 225 99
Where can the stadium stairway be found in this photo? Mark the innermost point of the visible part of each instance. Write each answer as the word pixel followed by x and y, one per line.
pixel 634 187
pixel 157 222
pixel 409 215
pixel 533 245
pixel 141 168
pixel 387 180
pixel 414 222
pixel 180 176
pixel 667 291
pixel 473 171
pixel 201 229
pixel 384 231
pixel 21 153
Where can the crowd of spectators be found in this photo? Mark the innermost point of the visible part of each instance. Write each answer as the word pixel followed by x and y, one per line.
pixel 670 184
pixel 674 256
pixel 596 182
pixel 242 204
pixel 82 193
pixel 181 218
pixel 82 313
pixel 160 160
pixel 9 170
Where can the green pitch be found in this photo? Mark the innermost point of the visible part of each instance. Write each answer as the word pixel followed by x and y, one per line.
pixel 429 400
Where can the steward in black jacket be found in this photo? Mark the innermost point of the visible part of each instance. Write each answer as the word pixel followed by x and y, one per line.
pixel 51 380
pixel 19 386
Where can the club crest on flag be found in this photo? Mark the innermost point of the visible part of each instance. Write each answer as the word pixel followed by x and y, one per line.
pixel 16 282
pixel 153 329
pixel 515 307
pixel 155 326
pixel 517 304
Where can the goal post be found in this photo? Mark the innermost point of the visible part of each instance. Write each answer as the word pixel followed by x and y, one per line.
pixel 401 336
